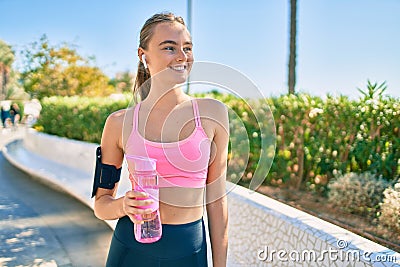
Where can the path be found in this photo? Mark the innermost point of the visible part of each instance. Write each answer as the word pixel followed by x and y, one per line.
pixel 43 227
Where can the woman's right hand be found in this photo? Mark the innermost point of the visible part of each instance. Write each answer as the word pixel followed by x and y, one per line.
pixel 133 201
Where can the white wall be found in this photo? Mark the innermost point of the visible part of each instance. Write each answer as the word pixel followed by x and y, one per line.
pixel 258 226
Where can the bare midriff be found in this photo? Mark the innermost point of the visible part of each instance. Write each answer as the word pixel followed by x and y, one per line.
pixel 181 205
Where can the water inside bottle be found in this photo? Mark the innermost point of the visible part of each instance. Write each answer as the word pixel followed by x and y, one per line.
pixel 151 228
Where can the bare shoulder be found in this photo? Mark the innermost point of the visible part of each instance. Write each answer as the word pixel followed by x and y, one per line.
pixel 114 124
pixel 214 116
pixel 213 108
pixel 117 118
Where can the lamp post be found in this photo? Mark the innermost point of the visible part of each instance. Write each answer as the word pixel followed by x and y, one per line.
pixel 292 47
pixel 189 26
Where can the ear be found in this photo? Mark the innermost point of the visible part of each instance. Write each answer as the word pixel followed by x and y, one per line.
pixel 142 57
pixel 144 61
pixel 140 54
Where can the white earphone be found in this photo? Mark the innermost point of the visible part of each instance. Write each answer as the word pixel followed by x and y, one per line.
pixel 144 61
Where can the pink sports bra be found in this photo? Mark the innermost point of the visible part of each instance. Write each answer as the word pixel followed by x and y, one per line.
pixel 179 164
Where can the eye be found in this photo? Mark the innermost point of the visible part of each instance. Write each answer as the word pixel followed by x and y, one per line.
pixel 187 49
pixel 169 48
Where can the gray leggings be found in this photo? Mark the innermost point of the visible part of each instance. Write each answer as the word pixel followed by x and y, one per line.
pixel 180 245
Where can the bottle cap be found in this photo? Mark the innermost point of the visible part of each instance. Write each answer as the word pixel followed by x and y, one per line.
pixel 143 163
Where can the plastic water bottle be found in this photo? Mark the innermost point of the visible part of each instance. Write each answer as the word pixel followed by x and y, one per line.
pixel 144 178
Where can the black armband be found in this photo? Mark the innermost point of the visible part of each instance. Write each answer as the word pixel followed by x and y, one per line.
pixel 105 176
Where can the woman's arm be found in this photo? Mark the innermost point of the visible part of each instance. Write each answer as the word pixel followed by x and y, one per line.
pixel 106 206
pixel 217 208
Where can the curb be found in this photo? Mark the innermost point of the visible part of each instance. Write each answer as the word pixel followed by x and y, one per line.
pixel 259 221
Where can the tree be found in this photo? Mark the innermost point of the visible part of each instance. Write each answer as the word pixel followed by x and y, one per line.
pixel 59 70
pixel 123 81
pixel 6 60
pixel 292 46
pixel 9 86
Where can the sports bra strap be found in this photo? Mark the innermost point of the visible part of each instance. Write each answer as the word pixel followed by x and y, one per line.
pixel 196 113
pixel 136 116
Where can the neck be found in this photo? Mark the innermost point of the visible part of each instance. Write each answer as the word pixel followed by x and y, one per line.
pixel 165 99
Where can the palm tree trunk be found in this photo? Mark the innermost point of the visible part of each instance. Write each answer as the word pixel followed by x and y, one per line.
pixel 189 26
pixel 292 46
pixel 3 81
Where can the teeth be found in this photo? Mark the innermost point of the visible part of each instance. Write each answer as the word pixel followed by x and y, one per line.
pixel 178 68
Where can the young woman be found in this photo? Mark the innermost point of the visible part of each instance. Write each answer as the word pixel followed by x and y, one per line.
pixel 188 137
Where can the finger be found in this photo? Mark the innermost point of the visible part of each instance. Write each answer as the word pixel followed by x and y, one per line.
pixel 138 203
pixel 135 220
pixel 136 194
pixel 142 203
pixel 133 215
pixel 137 211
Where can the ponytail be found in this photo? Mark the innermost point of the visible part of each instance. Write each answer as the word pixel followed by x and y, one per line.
pixel 141 87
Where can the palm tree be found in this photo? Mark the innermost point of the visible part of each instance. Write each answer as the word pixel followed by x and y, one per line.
pixel 6 59
pixel 292 46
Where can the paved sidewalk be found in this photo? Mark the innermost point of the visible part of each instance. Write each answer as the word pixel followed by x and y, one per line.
pixel 8 134
pixel 43 227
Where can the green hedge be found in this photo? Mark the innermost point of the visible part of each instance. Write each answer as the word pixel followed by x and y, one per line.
pixel 316 138
pixel 79 118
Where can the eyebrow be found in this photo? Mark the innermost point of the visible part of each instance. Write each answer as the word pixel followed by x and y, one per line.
pixel 173 42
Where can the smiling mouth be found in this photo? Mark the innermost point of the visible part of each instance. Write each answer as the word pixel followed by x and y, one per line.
pixel 179 68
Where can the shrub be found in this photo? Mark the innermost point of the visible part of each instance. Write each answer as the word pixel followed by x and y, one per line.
pixel 390 208
pixel 316 138
pixel 80 118
pixel 357 193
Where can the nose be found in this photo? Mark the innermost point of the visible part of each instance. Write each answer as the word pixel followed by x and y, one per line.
pixel 181 56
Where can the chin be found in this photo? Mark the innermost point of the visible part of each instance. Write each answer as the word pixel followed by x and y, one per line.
pixel 178 79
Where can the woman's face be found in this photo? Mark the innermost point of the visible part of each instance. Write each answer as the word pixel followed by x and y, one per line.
pixel 170 50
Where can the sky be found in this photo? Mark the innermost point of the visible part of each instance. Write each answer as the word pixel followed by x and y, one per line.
pixel 341 44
